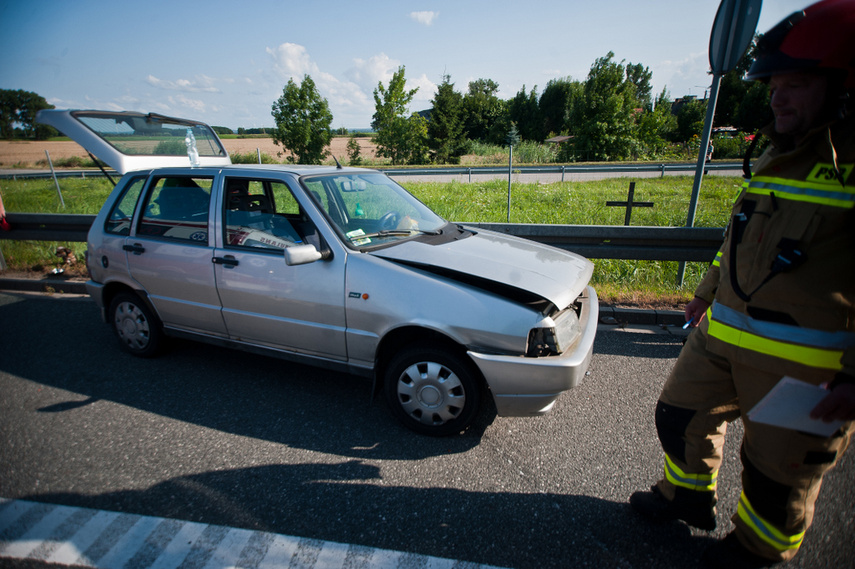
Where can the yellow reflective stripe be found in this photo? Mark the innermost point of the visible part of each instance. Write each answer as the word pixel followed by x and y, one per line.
pixel 796 190
pixel 811 356
pixel 742 188
pixel 766 531
pixel 697 482
pixel 717 261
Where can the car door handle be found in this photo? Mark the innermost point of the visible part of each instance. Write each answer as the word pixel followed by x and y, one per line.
pixel 227 261
pixel 136 248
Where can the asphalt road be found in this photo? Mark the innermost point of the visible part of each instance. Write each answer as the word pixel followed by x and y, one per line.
pixel 222 437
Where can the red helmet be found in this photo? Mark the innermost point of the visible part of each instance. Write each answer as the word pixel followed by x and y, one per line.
pixel 822 36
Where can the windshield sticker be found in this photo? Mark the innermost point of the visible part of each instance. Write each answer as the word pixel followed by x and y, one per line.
pixel 355 235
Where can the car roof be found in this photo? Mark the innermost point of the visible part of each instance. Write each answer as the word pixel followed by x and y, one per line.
pixel 128 141
pixel 298 170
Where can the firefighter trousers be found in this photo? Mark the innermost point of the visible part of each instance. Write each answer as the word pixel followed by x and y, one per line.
pixel 782 468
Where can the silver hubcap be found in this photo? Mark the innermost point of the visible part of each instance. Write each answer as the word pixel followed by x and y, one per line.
pixel 132 326
pixel 431 393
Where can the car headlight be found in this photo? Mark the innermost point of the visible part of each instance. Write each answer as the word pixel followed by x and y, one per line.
pixel 555 339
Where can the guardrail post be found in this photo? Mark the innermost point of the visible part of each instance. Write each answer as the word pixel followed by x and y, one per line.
pixel 681 273
pixel 663 170
pixel 55 181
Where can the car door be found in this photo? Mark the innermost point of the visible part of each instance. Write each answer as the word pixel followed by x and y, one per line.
pixel 266 302
pixel 170 256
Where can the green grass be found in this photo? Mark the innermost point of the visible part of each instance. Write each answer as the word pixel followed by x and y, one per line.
pixel 573 203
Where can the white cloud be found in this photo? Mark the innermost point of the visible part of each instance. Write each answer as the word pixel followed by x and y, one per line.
pixel 292 61
pixel 182 102
pixel 202 84
pixel 350 94
pixel 367 73
pixel 426 92
pixel 682 77
pixel 426 18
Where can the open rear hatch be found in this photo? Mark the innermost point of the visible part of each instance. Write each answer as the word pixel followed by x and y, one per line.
pixel 128 141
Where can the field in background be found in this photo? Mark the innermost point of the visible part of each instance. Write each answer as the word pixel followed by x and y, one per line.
pixel 31 154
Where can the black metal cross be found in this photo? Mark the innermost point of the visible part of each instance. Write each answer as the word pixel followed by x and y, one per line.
pixel 629 204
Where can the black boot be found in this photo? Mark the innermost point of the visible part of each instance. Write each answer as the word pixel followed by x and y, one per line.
pixel 729 553
pixel 654 506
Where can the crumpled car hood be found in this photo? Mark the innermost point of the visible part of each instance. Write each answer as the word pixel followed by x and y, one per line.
pixel 554 274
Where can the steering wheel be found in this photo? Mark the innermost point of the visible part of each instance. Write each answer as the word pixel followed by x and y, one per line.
pixel 389 220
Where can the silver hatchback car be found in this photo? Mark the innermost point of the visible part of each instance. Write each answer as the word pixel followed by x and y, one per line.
pixel 330 266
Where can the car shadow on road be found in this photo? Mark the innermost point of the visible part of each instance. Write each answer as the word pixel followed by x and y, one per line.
pixel 347 503
pixel 63 344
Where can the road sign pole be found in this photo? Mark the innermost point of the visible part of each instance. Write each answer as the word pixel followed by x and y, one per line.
pixel 702 151
pixel 733 28
pixel 699 169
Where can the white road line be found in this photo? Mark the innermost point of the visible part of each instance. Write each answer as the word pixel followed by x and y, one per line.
pixel 109 540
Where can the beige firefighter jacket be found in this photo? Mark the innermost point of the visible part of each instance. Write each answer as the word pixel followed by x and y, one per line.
pixel 783 284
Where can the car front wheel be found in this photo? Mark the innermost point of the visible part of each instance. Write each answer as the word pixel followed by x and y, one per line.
pixel 431 391
pixel 137 329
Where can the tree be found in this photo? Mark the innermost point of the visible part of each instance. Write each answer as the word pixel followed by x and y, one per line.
pixel 485 115
pixel 690 120
pixel 754 110
pixel 354 153
pixel 303 120
pixel 18 107
pixel 446 138
pixel 640 77
pixel 556 106
pixel 656 127
pixel 399 137
pixel 525 112
pixel 606 114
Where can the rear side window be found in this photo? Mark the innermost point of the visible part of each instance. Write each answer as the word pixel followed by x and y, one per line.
pixel 119 220
pixel 263 214
pixel 177 208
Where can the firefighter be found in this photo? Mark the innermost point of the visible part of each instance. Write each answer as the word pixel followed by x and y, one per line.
pixel 779 300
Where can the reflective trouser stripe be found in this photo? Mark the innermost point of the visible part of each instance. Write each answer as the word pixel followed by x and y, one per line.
pixel 815 348
pixel 697 482
pixel 766 531
pixel 823 194
pixel 717 261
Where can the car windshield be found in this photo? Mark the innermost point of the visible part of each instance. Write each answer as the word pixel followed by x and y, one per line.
pixel 136 134
pixel 369 209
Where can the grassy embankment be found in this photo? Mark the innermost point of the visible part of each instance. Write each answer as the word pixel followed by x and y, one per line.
pixel 632 283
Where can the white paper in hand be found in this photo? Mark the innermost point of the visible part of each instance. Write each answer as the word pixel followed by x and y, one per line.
pixel 789 404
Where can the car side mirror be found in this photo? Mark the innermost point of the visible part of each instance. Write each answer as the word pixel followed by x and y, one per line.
pixel 303 255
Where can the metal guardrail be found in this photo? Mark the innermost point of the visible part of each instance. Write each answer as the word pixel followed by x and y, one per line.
pixel 47 226
pixel 566 169
pixel 593 241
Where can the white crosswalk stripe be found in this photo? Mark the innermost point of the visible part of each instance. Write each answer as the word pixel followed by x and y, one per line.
pixel 110 540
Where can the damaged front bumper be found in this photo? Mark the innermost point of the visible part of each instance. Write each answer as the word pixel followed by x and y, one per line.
pixel 527 387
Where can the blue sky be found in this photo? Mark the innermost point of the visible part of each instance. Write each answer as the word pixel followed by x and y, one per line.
pixel 226 63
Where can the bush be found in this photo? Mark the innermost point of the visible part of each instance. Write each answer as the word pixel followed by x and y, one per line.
pixel 252 158
pixel 74 162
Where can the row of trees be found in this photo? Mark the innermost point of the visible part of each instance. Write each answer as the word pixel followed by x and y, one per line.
pixel 612 115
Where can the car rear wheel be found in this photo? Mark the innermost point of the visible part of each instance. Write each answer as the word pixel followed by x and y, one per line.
pixel 432 391
pixel 138 330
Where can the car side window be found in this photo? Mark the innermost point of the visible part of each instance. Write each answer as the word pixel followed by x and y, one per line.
pixel 261 214
pixel 119 220
pixel 177 208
